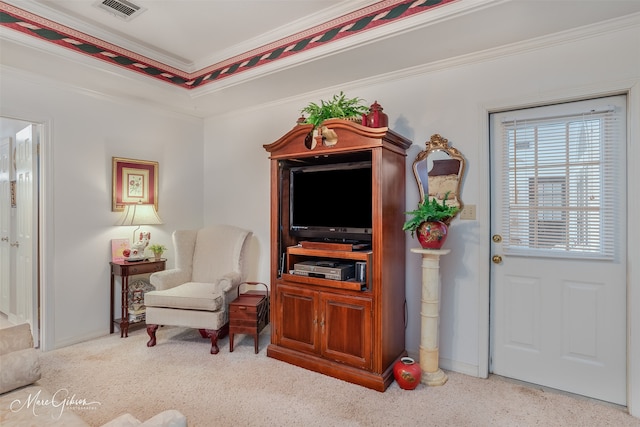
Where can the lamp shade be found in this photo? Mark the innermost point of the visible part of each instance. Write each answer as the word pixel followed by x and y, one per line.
pixel 139 214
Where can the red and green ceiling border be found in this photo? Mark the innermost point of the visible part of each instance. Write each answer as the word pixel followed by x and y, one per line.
pixel 378 14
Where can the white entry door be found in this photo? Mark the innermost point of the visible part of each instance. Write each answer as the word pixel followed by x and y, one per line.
pixel 558 227
pixel 27 228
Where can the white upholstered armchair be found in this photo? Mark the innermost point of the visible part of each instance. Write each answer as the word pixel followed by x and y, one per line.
pixel 210 265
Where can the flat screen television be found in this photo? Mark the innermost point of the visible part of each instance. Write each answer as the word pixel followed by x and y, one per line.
pixel 331 202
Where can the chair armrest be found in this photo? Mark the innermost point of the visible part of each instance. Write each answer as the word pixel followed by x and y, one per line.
pixel 168 279
pixel 228 282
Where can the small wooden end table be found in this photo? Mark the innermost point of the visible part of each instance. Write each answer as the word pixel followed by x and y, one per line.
pixel 124 269
pixel 249 313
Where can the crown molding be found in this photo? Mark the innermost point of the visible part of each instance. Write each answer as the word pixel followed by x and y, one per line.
pixel 379 14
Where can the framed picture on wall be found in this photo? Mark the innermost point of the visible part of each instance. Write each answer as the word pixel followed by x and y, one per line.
pixel 134 181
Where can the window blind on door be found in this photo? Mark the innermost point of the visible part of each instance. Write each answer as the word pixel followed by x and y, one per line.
pixel 561 184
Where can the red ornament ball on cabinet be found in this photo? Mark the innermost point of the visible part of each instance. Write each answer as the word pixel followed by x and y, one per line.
pixel 407 373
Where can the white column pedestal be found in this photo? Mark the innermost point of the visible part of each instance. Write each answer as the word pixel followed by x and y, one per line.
pixel 430 316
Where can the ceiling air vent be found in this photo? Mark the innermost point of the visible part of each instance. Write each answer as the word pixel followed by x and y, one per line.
pixel 121 8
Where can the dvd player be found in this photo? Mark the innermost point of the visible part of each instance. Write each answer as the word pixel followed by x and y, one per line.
pixel 325 270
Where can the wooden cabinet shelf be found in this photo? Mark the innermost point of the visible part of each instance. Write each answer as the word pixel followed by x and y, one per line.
pixel 347 329
pixel 324 253
pixel 297 254
pixel 338 284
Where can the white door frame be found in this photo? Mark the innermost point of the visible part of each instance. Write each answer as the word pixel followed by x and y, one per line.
pixel 632 89
pixel 47 282
pixel 45 255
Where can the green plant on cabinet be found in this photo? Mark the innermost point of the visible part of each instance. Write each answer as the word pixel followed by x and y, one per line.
pixel 339 107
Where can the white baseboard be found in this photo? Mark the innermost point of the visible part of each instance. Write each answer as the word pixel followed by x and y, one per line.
pixel 461 367
pixel 77 340
pixel 451 365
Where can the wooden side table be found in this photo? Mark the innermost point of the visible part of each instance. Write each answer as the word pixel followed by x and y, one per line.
pixel 125 269
pixel 249 314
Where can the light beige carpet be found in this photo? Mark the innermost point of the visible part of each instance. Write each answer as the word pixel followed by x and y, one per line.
pixel 245 389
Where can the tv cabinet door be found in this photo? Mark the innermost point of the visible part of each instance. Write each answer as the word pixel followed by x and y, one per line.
pixel 297 311
pixel 346 329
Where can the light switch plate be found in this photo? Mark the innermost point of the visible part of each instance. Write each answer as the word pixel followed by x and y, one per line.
pixel 468 212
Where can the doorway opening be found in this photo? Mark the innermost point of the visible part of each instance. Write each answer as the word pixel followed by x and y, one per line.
pixel 20 254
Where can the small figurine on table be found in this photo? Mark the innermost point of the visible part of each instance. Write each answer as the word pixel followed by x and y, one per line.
pixel 136 253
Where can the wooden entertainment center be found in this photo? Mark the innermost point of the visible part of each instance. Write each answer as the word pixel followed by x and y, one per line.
pixel 351 330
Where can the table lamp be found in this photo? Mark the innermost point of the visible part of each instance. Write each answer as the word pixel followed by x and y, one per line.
pixel 139 214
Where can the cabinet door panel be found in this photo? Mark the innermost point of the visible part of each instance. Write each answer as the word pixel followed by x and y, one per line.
pixel 297 312
pixel 346 329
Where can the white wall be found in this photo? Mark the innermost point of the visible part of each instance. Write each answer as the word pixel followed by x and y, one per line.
pixel 85 132
pixel 451 99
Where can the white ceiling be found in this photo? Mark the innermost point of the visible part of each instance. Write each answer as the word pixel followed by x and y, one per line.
pixel 190 35
pixel 193 34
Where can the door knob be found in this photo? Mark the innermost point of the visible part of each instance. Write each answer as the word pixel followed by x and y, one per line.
pixel 16 244
pixel 497 259
pixel 496 238
pixel 4 239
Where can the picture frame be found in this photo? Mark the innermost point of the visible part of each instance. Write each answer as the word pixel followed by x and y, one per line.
pixel 118 246
pixel 134 181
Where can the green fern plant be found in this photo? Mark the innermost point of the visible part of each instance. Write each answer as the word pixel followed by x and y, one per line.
pixel 339 107
pixel 429 211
